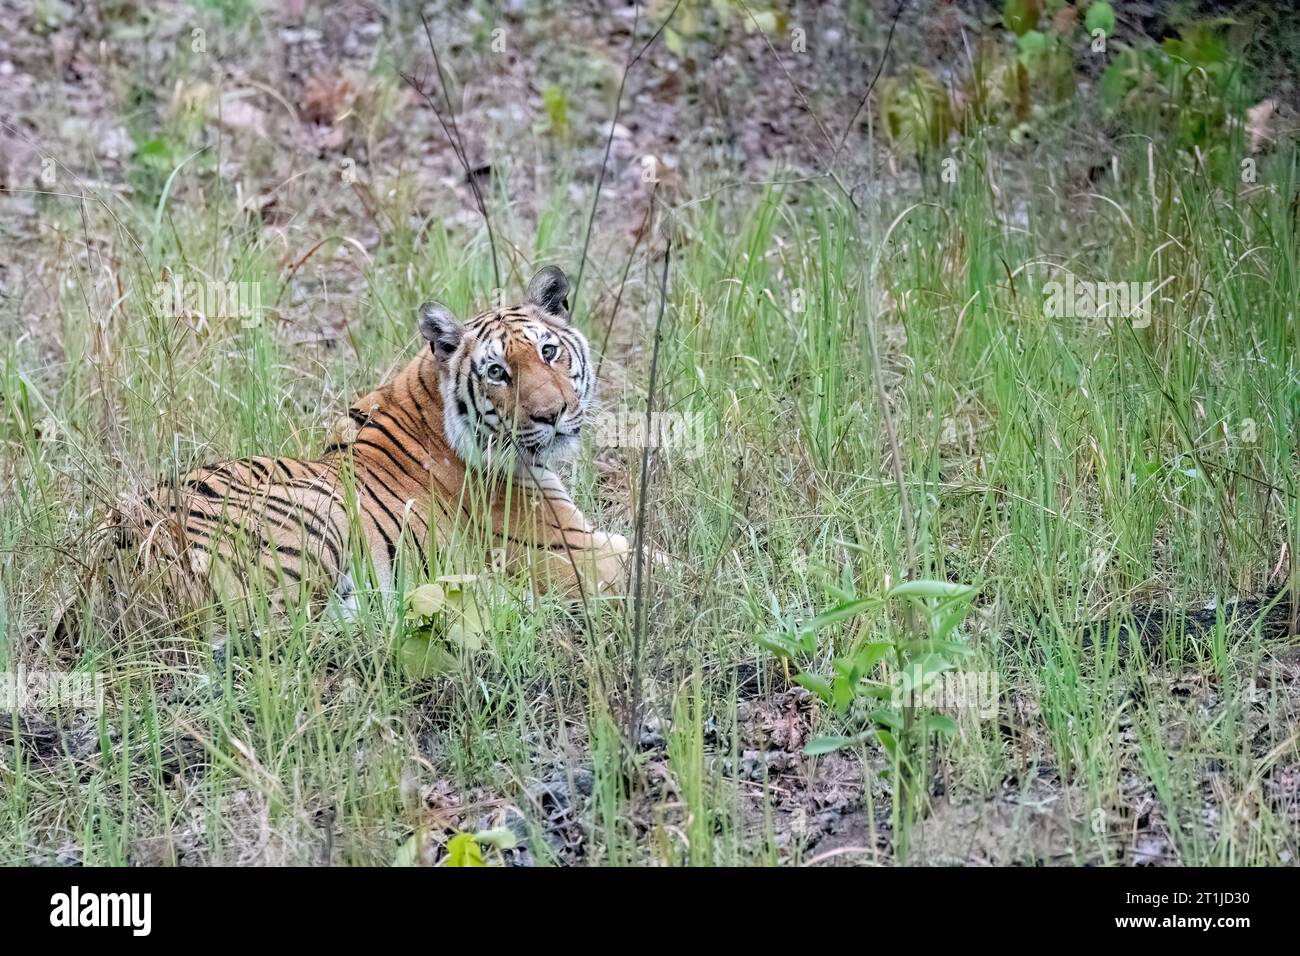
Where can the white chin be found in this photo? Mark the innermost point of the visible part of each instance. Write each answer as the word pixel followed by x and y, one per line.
pixel 563 448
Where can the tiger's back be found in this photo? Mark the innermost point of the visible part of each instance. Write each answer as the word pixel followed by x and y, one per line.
pixel 235 529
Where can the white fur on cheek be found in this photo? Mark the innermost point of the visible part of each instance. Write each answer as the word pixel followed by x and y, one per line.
pixel 459 434
pixel 465 439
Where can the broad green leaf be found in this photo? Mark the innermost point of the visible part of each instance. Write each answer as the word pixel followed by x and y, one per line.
pixel 945 624
pixel 764 20
pixel 886 718
pixel 157 153
pixel 829 743
pixel 878 691
pixel 1100 16
pixel 887 741
pixel 423 658
pixel 915 649
pixel 941 724
pixel 408 852
pixel 463 850
pixel 463 610
pixel 1020 16
pixel 869 655
pixel 673 40
pixel 841 612
pixel 842 691
pixel 937 590
pixel 456 582
pixel 688 19
pixel 918 674
pixel 1031 44
pixel 816 683
pixel 843 594
pixel 503 838
pixel 425 601
pixel 464 637
pixel 778 644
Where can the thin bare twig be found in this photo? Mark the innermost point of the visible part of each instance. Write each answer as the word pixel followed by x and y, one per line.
pixel 452 132
pixel 638 535
pixel 609 140
pixel 895 453
pixel 889 42
pixel 798 91
pixel 622 284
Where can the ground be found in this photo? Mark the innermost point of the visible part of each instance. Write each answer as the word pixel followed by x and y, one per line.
pixel 830 294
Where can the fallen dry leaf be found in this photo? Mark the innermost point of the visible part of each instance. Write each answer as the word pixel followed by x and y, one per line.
pixel 1064 19
pixel 1259 124
pixel 328 98
pixel 236 113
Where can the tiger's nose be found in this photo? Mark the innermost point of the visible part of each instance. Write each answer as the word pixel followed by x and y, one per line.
pixel 547 404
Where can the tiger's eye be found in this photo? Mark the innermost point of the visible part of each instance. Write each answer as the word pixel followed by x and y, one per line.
pixel 549 351
pixel 495 373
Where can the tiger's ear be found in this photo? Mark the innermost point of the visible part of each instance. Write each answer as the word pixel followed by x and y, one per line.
pixel 440 329
pixel 549 291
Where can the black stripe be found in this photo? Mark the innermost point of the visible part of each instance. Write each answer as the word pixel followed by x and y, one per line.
pixel 416 425
pixel 285 507
pixel 221 471
pixel 197 532
pixel 397 524
pixel 401 471
pixel 393 438
pixel 563 530
pixel 388 542
pixel 264 548
pixel 205 489
pixel 423 385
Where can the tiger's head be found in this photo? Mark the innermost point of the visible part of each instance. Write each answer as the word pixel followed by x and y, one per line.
pixel 516 383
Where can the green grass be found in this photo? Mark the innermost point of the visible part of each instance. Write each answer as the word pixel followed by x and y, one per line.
pixel 1067 467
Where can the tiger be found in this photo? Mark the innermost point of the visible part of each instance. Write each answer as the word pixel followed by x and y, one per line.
pixel 467 435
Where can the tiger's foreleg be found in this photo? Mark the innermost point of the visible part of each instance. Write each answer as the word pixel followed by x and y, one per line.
pixel 565 552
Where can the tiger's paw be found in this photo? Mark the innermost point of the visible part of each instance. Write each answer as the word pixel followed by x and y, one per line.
pixel 616 564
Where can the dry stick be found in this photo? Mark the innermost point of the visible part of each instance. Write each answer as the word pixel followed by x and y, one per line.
pixel 460 141
pixel 577 574
pixel 638 536
pixel 609 141
pixel 887 419
pixel 889 42
pixel 452 133
pixel 284 286
pixel 891 438
pixel 618 299
pixel 559 526
pixel 806 105
pixel 905 511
